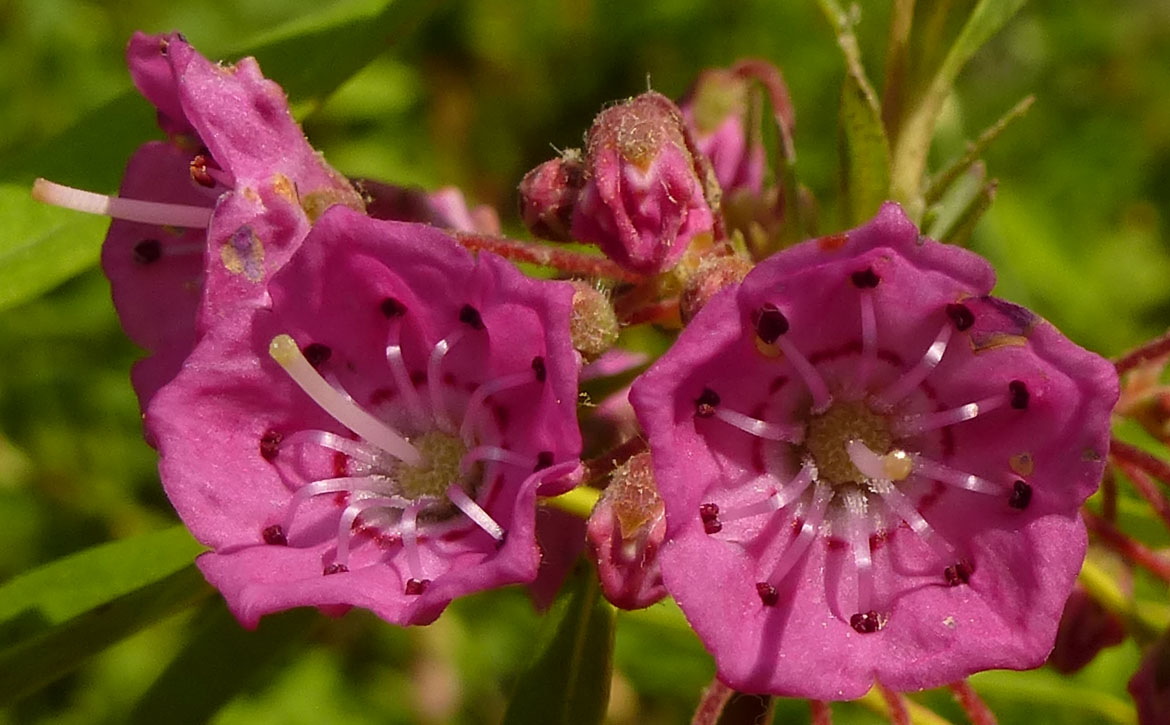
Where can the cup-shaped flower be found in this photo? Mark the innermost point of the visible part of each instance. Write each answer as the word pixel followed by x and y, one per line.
pixel 646 192
pixel 624 534
pixel 376 436
pixel 871 468
pixel 235 154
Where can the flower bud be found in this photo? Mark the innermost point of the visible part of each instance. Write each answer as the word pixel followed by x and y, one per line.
pixel 727 128
pixel 1085 629
pixel 548 194
pixel 1150 685
pixel 624 533
pixel 593 326
pixel 713 275
pixel 646 194
pixel 445 208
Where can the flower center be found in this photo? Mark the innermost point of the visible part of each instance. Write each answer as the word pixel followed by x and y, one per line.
pixel 439 468
pixel 830 432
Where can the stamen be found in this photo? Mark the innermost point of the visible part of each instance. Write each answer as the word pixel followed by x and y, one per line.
pixel 771 327
pixel 492 453
pixel 341 444
pixel 944 474
pixel 780 498
pixel 898 503
pixel 474 511
pixel 476 404
pixel 808 531
pixel 403 383
pixel 858 530
pixel 706 403
pixel 926 422
pixel 350 484
pixel 349 516
pixel 435 382
pixel 759 428
pixel 1021 495
pixel 408 527
pixel 860 382
pixel 133 210
pixel 901 387
pixel 285 352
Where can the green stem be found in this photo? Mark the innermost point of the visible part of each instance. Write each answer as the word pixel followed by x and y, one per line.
pixel 579 501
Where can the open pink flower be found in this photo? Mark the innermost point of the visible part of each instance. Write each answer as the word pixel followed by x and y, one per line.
pixel 378 435
pixel 872 469
pixel 236 152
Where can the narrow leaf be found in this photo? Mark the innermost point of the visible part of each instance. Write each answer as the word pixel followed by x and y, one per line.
pixel 939 185
pixel 865 151
pixel 41 659
pixel 959 233
pixel 568 682
pixel 914 137
pixel 225 659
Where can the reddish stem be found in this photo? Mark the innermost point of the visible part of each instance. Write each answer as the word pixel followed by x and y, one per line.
pixel 977 711
pixel 1144 353
pixel 664 311
pixel 1136 457
pixel 575 263
pixel 1109 496
pixel 1147 489
pixel 596 469
pixel 822 714
pixel 1130 550
pixel 711 703
pixel 772 81
pixel 896 703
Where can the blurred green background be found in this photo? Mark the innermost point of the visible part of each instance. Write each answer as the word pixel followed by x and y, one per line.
pixel 475 94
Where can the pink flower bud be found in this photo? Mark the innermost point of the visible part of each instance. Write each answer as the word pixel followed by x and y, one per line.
pixel 1085 629
pixel 548 195
pixel 624 533
pixel 645 196
pixel 727 128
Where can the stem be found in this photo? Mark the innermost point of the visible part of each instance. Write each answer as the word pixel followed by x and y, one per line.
pixel 1136 457
pixel 1109 496
pixel 977 711
pixel 946 177
pixel 596 469
pixel 919 714
pixel 663 312
pixel 820 712
pixel 1130 550
pixel 897 53
pixel 896 703
pixel 711 703
pixel 1159 347
pixel 1147 489
pixel 574 263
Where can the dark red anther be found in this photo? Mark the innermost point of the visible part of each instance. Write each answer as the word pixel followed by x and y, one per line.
pixel 471 317
pixel 709 513
pixel 768 594
pixel 270 444
pixel 317 354
pixel 706 402
pixel 1019 394
pixel 414 587
pixel 961 316
pixel 865 622
pixel 1021 495
pixel 539 369
pixel 274 535
pixel 544 459
pixel 199 173
pixel 392 308
pixel 148 251
pixel 957 574
pixel 769 322
pixel 865 279
pixel 335 569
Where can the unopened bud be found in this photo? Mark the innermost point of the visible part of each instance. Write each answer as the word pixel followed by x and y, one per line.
pixel 624 533
pixel 548 195
pixel 713 275
pixel 1150 685
pixel 727 126
pixel 645 196
pixel 593 326
pixel 1085 629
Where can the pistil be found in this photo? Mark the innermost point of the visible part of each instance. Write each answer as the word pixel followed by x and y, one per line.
pixel 133 210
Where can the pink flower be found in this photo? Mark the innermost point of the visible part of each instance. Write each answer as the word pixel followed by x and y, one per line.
pixel 378 435
pixel 236 152
pixel 872 469
pixel 727 129
pixel 644 197
pixel 446 208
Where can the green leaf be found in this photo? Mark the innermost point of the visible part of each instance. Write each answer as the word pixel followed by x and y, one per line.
pixel 310 58
pixel 47 656
pixel 944 179
pixel 42 246
pixel 568 682
pixel 914 138
pixel 63 589
pixel 225 659
pixel 865 151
